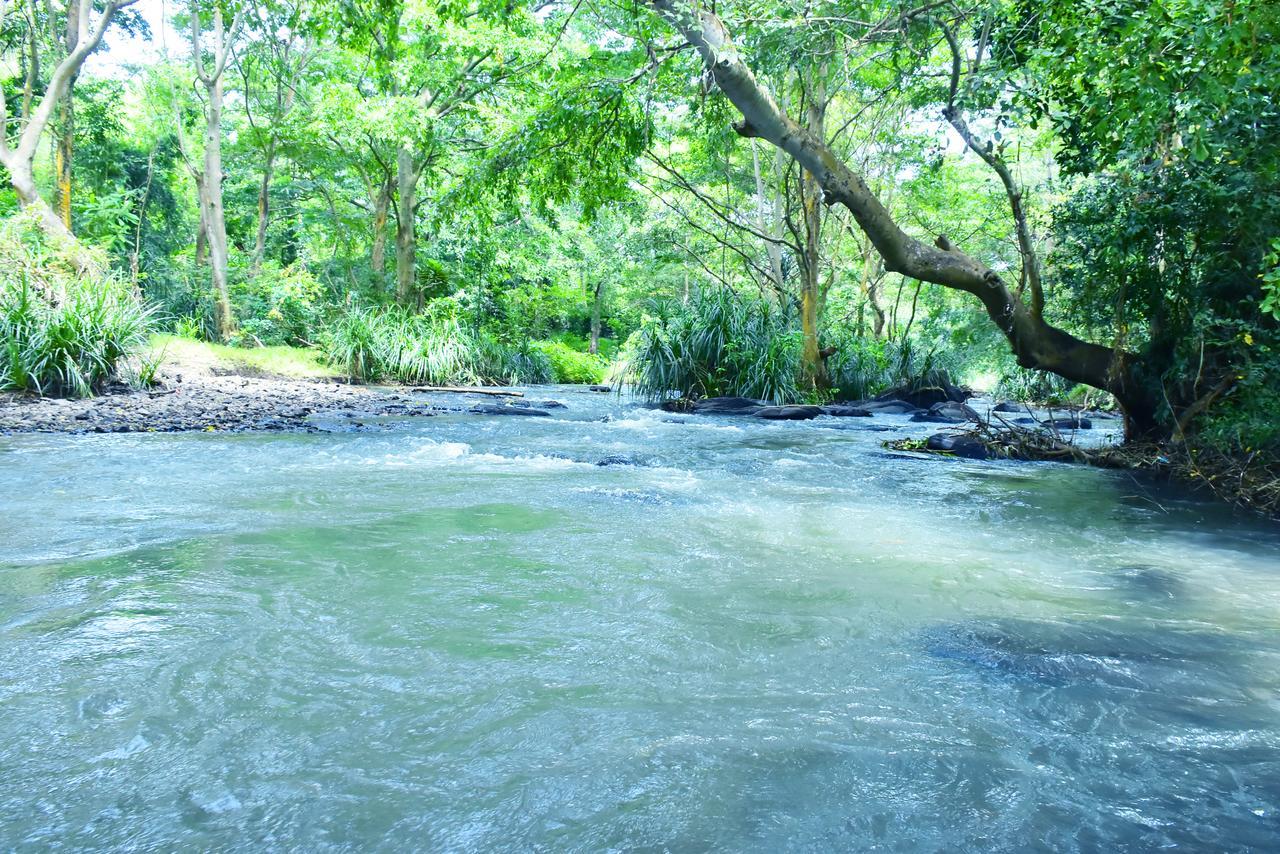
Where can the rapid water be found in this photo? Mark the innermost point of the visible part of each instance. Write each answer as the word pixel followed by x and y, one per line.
pixel 460 633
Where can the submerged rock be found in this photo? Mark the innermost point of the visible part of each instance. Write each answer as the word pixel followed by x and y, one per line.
pixel 491 409
pixel 600 388
pixel 1006 406
pixel 961 446
pixel 620 460
pixel 1149 581
pixel 789 413
pixel 728 406
pixel 546 404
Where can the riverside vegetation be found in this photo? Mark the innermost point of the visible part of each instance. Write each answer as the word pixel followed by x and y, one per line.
pixel 1057 202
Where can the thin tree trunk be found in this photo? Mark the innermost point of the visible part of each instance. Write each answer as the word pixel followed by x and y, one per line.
pixel 598 298
pixel 215 223
pixel 202 234
pixel 406 231
pixel 812 364
pixel 264 206
pixel 381 212
pixel 67 125
pixel 772 249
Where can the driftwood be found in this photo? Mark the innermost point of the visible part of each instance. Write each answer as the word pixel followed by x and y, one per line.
pixel 468 390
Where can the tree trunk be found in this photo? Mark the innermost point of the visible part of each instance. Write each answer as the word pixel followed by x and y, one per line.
pixel 406 231
pixel 381 211
pixel 812 365
pixel 595 318
pixel 772 249
pixel 202 235
pixel 1035 343
pixel 67 125
pixel 215 223
pixel 264 206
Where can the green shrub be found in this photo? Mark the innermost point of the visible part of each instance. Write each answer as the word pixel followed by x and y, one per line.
pixel 571 366
pixel 281 305
pixel 64 330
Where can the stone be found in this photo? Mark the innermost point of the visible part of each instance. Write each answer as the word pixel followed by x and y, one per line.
pixel 957 411
pixel 840 410
pixel 935 418
pixel 960 446
pixel 600 388
pixel 920 398
pixel 891 407
pixel 789 413
pixel 728 406
pixel 1006 406
pixel 618 460
pixel 490 409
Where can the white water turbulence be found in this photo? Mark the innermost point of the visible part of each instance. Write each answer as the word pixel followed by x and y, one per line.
pixel 462 633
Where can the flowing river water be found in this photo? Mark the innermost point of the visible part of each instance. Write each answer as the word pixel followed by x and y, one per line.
pixel 461 633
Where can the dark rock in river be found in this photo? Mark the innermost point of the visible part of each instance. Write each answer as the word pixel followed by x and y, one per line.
pixel 1006 406
pixel 923 398
pixel 935 418
pixel 546 404
pixel 890 407
pixel 489 409
pixel 789 413
pixel 600 388
pixel 728 406
pixel 841 410
pixel 955 411
pixel 961 446
pixel 619 460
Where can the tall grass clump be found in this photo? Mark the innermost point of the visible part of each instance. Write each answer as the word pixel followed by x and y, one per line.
pixel 64 329
pixel 717 344
pixel 393 345
pixel 862 367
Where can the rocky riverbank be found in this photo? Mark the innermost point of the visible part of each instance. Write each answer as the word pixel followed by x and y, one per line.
pixel 209 403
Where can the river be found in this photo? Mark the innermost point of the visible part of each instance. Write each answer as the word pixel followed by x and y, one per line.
pixel 461 633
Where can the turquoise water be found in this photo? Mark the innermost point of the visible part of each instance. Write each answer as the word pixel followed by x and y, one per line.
pixel 462 634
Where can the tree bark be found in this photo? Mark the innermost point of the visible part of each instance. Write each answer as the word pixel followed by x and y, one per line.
pixel 772 249
pixel 264 206
pixel 406 230
pixel 215 223
pixel 381 212
pixel 67 125
pixel 812 365
pixel 1035 343
pixel 598 298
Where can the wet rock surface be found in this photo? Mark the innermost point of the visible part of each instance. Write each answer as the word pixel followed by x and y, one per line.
pixel 728 406
pixel 789 413
pixel 508 409
pixel 960 446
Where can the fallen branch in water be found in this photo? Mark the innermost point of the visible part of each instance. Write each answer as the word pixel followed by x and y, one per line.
pixel 453 389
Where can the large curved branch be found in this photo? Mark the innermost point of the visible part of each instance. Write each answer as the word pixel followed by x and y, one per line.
pixel 1035 343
